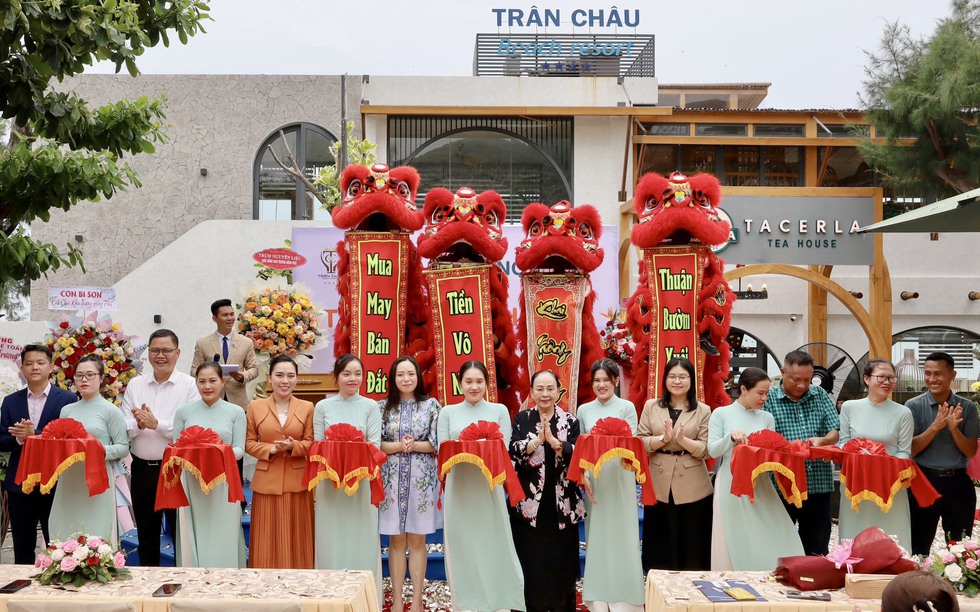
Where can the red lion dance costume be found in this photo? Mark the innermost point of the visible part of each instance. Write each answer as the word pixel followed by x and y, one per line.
pixel 383 307
pixel 559 251
pixel 463 241
pixel 682 305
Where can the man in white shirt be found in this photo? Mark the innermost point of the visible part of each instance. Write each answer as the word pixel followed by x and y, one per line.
pixel 149 406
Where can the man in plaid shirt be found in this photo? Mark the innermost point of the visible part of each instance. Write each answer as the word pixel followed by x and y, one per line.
pixel 806 412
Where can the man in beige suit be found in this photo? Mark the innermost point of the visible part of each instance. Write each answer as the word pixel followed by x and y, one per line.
pixel 229 348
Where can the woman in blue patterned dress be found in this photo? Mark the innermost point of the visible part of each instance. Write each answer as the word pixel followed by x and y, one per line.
pixel 409 511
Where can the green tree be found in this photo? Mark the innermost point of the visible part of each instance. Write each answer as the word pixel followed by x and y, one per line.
pixel 923 97
pixel 61 150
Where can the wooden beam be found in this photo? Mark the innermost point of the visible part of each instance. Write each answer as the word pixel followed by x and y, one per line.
pixel 749 141
pixel 880 289
pixel 879 344
pixel 513 111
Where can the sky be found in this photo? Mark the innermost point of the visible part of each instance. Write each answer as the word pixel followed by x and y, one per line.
pixel 811 52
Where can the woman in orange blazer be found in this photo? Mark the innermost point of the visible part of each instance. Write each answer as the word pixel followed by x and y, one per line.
pixel 279 434
pixel 674 430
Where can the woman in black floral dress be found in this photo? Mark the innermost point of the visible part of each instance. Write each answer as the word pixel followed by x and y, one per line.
pixel 545 525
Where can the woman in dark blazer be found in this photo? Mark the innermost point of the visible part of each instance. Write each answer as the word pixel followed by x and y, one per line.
pixel 674 430
pixel 545 525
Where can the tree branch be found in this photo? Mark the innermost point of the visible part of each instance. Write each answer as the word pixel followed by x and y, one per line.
pixel 294 170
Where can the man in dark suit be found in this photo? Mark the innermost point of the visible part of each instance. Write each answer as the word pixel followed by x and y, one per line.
pixel 22 414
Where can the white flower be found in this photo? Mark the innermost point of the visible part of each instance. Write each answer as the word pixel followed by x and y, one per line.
pixel 957 549
pixel 103 550
pixel 953 572
pixel 57 555
pixel 82 552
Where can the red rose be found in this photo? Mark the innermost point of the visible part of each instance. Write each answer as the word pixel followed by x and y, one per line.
pixel 64 325
pixel 90 347
pixel 93 560
pixel 89 334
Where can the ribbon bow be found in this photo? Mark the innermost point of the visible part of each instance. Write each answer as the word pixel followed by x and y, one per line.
pixel 481 430
pixel 611 426
pixel 841 555
pixel 195 434
pixel 343 432
pixel 63 429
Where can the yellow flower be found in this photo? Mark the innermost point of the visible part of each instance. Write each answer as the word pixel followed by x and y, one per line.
pixel 975 387
pixel 61 375
pixel 115 327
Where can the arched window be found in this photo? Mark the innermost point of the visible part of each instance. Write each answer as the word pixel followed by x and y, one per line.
pixel 487 158
pixel 911 347
pixel 279 196
pixel 748 351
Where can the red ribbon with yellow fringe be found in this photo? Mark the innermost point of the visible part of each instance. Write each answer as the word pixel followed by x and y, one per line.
pixel 202 454
pixel 789 466
pixel 876 477
pixel 675 275
pixel 345 463
pixel 593 451
pixel 462 325
pixel 378 294
pixel 63 443
pixel 553 310
pixel 482 444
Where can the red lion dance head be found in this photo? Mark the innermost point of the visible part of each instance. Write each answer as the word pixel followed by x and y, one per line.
pixel 467 228
pixel 378 199
pixel 681 212
pixel 561 240
pixel 560 237
pixel 678 210
pixel 463 226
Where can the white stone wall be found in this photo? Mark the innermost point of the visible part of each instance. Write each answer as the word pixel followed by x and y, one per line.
pixel 216 122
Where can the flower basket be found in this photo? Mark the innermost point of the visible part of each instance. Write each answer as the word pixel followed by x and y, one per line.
pixel 79 559
pixel 280 321
pixel 71 338
pixel 616 340
pixel 959 565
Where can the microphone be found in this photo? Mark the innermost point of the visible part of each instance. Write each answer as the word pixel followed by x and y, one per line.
pixel 217 358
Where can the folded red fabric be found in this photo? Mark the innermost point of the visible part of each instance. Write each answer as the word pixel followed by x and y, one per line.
pixel 865 446
pixel 876 550
pixel 63 429
pixel 611 426
pixel 481 430
pixel 810 573
pixel 343 432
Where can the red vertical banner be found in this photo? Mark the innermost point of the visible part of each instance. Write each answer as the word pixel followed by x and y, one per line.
pixel 378 285
pixel 553 312
pixel 463 326
pixel 675 276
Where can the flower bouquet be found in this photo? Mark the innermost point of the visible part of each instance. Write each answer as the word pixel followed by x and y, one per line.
pixel 959 564
pixel 279 321
pixel 79 559
pixel 615 340
pixel 72 338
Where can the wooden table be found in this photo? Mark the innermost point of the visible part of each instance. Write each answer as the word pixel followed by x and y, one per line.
pixel 675 592
pixel 313 590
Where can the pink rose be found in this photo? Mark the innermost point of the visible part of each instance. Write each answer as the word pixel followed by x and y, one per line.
pixel 948 558
pixel 971 564
pixel 94 542
pixel 927 563
pixel 970 545
pixel 68 564
pixel 70 546
pixel 43 561
pixel 119 561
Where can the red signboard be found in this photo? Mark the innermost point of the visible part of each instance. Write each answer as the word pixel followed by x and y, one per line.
pixel 463 328
pixel 378 287
pixel 675 276
pixel 553 311
pixel 280 259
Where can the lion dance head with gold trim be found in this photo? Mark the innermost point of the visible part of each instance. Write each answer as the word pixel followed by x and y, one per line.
pixel 464 229
pixel 559 251
pixel 378 208
pixel 681 213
